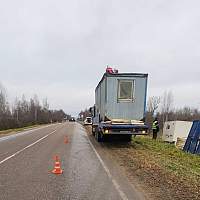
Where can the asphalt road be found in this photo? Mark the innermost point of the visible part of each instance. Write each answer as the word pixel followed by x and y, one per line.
pixel 27 159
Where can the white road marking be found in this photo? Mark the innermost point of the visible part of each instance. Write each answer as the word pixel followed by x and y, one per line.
pixel 116 185
pixel 30 145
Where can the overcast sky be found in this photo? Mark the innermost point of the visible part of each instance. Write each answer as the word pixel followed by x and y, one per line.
pixel 59 49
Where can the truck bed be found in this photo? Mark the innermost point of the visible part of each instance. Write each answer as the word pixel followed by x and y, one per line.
pixel 132 129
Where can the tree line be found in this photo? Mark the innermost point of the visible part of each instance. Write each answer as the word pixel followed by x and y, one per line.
pixel 26 112
pixel 84 113
pixel 162 108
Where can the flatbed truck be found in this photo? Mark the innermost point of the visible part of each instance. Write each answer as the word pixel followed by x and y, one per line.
pixel 120 102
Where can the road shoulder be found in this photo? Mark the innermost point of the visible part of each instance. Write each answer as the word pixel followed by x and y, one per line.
pixel 133 191
pixel 142 168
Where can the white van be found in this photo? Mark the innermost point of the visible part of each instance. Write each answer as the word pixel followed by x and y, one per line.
pixel 88 121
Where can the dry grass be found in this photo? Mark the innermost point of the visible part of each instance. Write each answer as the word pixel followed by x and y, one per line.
pixel 161 170
pixel 9 131
pixel 184 165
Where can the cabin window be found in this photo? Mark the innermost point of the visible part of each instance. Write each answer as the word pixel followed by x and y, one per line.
pixel 125 90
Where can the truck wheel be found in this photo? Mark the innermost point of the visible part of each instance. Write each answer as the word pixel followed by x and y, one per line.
pixel 95 134
pixel 93 130
pixel 99 137
pixel 129 138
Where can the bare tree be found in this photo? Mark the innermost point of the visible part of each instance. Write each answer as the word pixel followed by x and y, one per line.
pixel 167 104
pixel 2 103
pixel 83 114
pixel 2 99
pixel 153 104
pixel 37 105
pixel 5 114
pixel 45 104
pixel 25 113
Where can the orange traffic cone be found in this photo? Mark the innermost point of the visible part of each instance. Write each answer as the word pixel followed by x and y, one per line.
pixel 66 140
pixel 57 168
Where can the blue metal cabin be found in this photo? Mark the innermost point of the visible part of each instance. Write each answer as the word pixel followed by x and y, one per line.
pixel 120 96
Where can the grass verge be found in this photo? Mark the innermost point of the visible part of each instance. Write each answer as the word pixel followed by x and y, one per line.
pixel 186 166
pixel 9 131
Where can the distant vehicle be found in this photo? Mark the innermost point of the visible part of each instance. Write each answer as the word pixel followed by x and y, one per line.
pixel 88 121
pixel 72 119
pixel 120 102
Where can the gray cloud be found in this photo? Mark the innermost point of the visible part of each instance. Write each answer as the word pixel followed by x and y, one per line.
pixel 59 49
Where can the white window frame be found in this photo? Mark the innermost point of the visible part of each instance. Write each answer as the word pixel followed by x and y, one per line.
pixel 132 90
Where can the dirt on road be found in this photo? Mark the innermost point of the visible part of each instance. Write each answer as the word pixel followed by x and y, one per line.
pixel 159 176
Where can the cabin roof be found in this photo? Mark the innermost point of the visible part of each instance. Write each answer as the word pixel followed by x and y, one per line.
pixel 142 75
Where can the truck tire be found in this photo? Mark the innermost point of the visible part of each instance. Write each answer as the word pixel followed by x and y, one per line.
pixel 128 138
pixel 93 130
pixel 99 136
pixel 95 134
